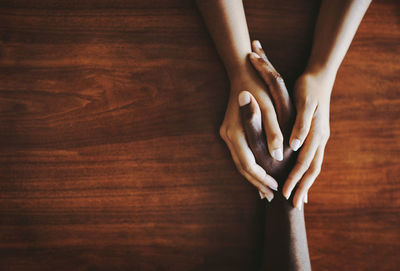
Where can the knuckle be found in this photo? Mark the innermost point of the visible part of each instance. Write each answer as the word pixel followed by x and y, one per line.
pixel 301 128
pixel 268 110
pixel 230 133
pixel 317 170
pixel 301 187
pixel 277 77
pixel 303 163
pixel 247 167
pixel 275 139
pixel 268 71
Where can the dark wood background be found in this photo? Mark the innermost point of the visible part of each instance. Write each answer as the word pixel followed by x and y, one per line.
pixel 110 154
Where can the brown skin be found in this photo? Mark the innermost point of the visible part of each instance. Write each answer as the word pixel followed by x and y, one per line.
pixel 227 25
pixel 336 26
pixel 256 137
pixel 285 236
pixel 285 243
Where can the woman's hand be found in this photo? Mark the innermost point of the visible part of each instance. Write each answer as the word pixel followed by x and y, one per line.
pixel 255 162
pixel 284 111
pixel 251 120
pixel 232 132
pixel 310 132
pixel 311 128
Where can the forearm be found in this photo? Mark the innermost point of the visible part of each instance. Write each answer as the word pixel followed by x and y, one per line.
pixel 226 22
pixel 285 241
pixel 285 236
pixel 336 26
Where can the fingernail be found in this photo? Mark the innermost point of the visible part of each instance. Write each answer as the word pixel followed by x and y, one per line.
pixel 306 198
pixel 244 98
pixel 295 144
pixel 261 195
pixel 255 55
pixel 273 183
pixel 269 197
pixel 278 154
pixel 286 196
pixel 257 44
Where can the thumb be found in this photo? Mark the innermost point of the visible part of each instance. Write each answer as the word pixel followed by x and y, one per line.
pixel 250 115
pixel 301 126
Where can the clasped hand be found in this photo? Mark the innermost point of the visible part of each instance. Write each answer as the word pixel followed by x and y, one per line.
pixel 260 124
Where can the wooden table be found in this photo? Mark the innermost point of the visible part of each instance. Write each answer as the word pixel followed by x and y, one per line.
pixel 110 153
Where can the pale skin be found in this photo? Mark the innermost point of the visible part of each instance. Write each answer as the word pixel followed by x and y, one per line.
pixel 227 24
pixel 307 133
pixel 336 26
pixel 285 246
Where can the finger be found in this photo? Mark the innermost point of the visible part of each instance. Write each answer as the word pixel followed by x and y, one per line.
pixel 276 88
pixel 267 70
pixel 250 116
pixel 272 78
pixel 309 178
pixel 271 127
pixel 304 160
pixel 248 163
pixel 265 190
pixel 305 113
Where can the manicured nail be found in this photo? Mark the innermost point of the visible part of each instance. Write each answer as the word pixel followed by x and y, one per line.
pixel 255 55
pixel 275 187
pixel 295 144
pixel 261 195
pixel 306 198
pixel 269 197
pixel 286 196
pixel 257 44
pixel 278 154
pixel 273 184
pixel 244 98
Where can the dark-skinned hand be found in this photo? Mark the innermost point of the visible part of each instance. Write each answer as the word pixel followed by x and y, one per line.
pixel 251 119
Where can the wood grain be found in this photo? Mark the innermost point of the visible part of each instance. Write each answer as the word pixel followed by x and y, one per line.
pixel 110 155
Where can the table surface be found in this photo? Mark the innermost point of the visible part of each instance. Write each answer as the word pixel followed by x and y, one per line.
pixel 110 154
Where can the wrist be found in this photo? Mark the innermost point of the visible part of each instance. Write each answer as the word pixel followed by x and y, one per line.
pixel 317 85
pixel 324 77
pixel 325 72
pixel 241 71
pixel 241 74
